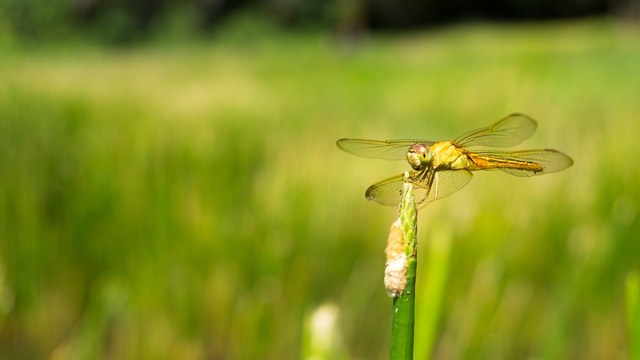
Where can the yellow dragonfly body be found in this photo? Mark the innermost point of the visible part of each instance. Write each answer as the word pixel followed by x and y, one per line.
pixel 444 167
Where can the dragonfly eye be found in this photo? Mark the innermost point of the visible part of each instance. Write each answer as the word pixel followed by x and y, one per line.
pixel 419 156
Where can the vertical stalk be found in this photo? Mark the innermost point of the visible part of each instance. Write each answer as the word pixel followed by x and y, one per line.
pixel 400 274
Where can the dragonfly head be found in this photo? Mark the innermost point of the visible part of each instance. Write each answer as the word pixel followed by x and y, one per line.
pixel 419 156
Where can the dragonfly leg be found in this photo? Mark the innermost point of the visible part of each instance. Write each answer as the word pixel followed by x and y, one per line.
pixel 435 197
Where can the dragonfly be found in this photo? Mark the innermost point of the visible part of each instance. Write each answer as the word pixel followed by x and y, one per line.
pixel 440 168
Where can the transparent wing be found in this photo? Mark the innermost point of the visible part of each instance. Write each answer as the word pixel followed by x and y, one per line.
pixel 550 160
pixel 386 192
pixel 445 183
pixel 380 149
pixel 510 131
pixel 428 187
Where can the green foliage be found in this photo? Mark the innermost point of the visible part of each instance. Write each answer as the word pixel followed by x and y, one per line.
pixel 127 22
pixel 188 200
pixel 35 19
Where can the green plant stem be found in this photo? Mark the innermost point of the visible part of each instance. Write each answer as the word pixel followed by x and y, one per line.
pixel 402 323
pixel 403 318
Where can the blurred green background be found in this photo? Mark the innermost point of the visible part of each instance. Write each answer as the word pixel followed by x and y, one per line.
pixel 179 195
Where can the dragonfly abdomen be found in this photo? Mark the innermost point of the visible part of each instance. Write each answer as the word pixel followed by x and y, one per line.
pixel 487 163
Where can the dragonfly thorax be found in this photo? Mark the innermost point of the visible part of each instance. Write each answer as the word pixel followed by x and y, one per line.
pixel 419 156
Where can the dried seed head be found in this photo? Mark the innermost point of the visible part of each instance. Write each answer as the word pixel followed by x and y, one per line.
pixel 395 273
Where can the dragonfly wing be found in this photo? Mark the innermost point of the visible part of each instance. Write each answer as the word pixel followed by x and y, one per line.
pixel 386 192
pixel 510 131
pixel 433 186
pixel 380 149
pixel 550 160
pixel 445 183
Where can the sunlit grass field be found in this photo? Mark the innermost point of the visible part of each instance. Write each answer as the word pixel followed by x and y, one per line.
pixel 186 200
